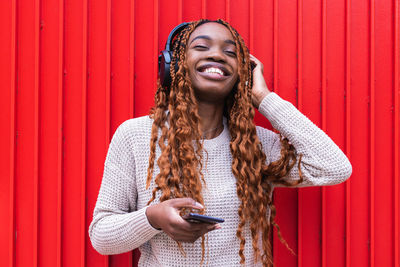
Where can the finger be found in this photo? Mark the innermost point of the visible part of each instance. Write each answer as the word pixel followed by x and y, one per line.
pixel 193 235
pixel 253 58
pixel 199 226
pixel 206 228
pixel 185 203
pixel 209 229
pixel 183 236
pixel 189 226
pixel 217 226
pixel 187 235
pixel 257 62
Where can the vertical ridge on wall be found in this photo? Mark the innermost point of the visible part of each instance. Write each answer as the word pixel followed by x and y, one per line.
pixel 59 128
pixel 215 9
pixel 240 14
pixel 108 76
pixel 121 78
pixel 50 91
pixel 348 127
pixel 299 92
pixel 360 199
pixel 334 122
pixel 121 81
pixel 251 26
pixel 299 100
pixel 98 107
pixel 132 59
pixel 85 73
pixel 74 134
pixel 155 44
pixel 324 128
pixel 36 134
pixel 7 135
pixel 372 133
pixel 310 197
pixel 285 73
pixel 228 10
pixel 107 118
pixel 134 255
pixel 396 133
pixel 13 87
pixel 382 66
pixel 180 20
pixel 275 86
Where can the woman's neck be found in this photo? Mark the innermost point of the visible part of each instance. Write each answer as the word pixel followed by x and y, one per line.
pixel 211 123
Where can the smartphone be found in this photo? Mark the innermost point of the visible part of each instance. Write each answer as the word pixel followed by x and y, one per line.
pixel 194 217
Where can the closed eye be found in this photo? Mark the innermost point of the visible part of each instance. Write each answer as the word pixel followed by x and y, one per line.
pixel 202 47
pixel 231 53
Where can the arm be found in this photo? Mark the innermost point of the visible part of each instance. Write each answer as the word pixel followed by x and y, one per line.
pixel 322 163
pixel 117 226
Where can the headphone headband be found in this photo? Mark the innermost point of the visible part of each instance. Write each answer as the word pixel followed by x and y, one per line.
pixel 173 33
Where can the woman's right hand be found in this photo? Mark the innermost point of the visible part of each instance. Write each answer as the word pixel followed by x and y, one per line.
pixel 165 216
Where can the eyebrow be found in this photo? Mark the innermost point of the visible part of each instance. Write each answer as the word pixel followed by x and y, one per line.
pixel 228 41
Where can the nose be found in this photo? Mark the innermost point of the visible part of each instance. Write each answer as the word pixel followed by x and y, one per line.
pixel 217 55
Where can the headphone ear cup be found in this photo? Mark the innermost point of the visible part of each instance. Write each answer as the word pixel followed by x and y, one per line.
pixel 164 63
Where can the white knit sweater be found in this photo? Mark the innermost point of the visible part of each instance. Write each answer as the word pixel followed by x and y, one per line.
pixel 119 220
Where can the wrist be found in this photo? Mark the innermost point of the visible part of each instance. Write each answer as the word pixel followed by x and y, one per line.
pixel 258 97
pixel 151 218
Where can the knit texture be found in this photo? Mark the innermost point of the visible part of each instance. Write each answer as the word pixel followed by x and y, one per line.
pixel 119 220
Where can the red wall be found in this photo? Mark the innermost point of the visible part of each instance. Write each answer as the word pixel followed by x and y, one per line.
pixel 72 70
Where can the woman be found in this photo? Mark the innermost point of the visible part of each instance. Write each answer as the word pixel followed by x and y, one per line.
pixel 210 157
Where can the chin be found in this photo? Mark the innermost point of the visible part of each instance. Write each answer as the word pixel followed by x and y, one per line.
pixel 211 95
pixel 211 91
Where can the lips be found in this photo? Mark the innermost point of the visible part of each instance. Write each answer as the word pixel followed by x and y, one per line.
pixel 214 72
pixel 214 68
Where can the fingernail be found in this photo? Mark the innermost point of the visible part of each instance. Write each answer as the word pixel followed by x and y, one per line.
pixel 197 204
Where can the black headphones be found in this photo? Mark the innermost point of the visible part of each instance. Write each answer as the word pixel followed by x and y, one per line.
pixel 165 56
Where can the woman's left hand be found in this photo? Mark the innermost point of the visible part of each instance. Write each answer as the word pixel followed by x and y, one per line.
pixel 260 89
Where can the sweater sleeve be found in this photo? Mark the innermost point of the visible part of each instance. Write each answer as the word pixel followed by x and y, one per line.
pixel 322 163
pixel 117 225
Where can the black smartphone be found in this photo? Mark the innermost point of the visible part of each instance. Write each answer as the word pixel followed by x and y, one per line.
pixel 194 217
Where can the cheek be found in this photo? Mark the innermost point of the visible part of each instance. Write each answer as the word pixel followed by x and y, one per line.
pixel 190 66
pixel 236 75
pixel 235 68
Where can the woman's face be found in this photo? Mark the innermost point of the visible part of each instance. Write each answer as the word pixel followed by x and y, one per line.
pixel 212 63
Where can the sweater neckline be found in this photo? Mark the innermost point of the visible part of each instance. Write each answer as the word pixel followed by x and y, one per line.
pixel 208 144
pixel 222 138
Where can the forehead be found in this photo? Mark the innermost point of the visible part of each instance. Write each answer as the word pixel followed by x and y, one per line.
pixel 214 30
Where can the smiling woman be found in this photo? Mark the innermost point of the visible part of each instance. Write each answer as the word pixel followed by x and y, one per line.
pixel 210 158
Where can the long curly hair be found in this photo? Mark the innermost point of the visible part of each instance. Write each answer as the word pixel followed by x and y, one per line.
pixel 181 159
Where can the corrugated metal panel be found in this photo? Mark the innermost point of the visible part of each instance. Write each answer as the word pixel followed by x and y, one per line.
pixel 396 134
pixel 72 71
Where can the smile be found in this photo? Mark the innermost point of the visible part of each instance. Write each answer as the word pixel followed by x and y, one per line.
pixel 214 71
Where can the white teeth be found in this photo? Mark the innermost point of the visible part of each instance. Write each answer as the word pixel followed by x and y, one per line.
pixel 214 70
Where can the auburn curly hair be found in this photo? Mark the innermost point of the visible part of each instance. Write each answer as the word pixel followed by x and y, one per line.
pixel 181 159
